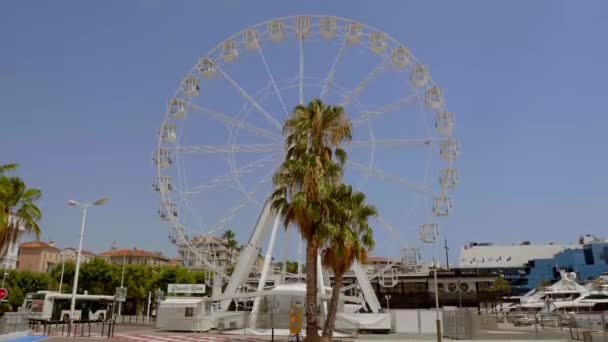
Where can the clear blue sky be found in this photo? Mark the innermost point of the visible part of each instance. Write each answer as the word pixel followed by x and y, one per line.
pixel 83 87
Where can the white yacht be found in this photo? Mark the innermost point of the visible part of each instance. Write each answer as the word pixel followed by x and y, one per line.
pixel 567 298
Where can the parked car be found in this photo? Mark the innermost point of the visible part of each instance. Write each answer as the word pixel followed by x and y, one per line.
pixel 523 320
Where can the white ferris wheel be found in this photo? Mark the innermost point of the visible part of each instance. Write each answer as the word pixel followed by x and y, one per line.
pixel 221 137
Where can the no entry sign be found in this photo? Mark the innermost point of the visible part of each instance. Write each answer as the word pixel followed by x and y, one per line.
pixel 3 293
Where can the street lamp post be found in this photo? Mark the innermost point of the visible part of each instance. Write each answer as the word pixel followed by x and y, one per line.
pixel 437 319
pixel 122 280
pixel 387 297
pixel 62 269
pixel 4 277
pixel 84 207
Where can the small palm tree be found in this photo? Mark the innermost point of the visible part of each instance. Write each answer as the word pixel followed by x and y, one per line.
pixel 231 243
pixel 17 208
pixel 313 165
pixel 349 239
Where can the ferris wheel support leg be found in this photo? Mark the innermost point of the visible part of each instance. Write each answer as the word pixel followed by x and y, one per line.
pixel 265 269
pixel 320 282
pixel 299 258
pixel 366 287
pixel 249 255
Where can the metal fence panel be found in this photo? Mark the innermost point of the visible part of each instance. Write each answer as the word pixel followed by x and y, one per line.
pixel 13 322
pixel 458 324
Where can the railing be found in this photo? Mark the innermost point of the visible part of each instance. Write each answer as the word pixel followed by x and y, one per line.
pixel 135 320
pixel 582 326
pixel 103 329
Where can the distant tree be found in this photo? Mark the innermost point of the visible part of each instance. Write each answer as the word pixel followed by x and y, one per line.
pixel 99 277
pixel 501 286
pixel 68 276
pixel 19 283
pixel 231 243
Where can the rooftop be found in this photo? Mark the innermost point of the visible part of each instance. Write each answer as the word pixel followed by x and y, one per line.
pixel 76 250
pixel 486 255
pixel 38 244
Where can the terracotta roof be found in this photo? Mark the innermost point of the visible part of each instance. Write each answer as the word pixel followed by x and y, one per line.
pixel 377 259
pixel 37 244
pixel 132 253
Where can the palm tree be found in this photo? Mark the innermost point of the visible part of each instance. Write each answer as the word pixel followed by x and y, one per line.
pixel 231 243
pixel 349 239
pixel 8 167
pixel 17 208
pixel 313 165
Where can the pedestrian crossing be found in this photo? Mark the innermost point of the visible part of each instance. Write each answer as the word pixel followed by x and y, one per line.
pixel 187 338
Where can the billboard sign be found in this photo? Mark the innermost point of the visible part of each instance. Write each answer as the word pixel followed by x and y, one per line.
pixel 186 288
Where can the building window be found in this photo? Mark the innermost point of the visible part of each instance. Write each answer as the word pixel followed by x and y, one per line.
pixel 464 287
pixel 189 312
pixel 588 252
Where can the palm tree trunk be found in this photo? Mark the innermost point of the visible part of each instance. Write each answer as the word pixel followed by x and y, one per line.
pixel 312 334
pixel 330 322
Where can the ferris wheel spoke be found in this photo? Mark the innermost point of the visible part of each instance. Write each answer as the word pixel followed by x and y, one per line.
pixel 221 224
pixel 232 122
pixel 391 142
pixel 226 178
pixel 255 148
pixel 370 76
pixel 332 72
pixel 250 99
pixel 391 107
pixel 389 178
pixel 274 84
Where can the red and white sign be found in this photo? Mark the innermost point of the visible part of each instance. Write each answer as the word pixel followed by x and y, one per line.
pixel 3 293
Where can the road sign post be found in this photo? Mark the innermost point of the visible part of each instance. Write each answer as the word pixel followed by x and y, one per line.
pixel 121 294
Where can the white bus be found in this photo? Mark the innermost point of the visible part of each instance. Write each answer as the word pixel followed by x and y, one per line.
pixel 55 306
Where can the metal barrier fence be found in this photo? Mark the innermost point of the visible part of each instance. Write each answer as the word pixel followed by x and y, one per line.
pixel 135 320
pixel 104 329
pixel 13 322
pixel 270 321
pixel 580 326
pixel 458 324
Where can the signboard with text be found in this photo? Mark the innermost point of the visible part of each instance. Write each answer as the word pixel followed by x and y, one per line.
pixel 186 288
pixel 121 294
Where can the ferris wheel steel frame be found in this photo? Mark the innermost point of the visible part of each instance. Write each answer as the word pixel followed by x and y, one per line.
pixel 211 65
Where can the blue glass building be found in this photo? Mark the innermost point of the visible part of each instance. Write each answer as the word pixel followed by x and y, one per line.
pixel 588 259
